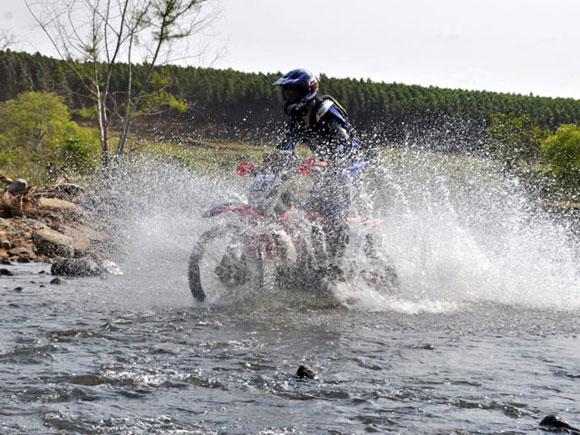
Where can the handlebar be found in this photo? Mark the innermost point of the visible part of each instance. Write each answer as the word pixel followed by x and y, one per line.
pixel 246 169
pixel 305 167
pixel 310 165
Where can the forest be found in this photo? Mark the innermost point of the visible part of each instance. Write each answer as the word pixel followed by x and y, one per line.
pixel 229 104
pixel 47 119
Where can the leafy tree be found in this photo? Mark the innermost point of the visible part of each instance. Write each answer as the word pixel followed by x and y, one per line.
pixel 562 152
pixel 36 122
pixel 35 128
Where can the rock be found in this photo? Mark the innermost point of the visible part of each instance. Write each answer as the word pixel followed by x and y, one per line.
pixel 553 422
pixel 56 281
pixel 33 224
pixel 5 244
pixel 17 243
pixel 5 260
pixel 84 238
pixel 304 372
pixel 20 251
pixel 23 253
pixel 6 272
pixel 60 205
pixel 76 267
pixel 18 186
pixel 52 243
pixel 18 289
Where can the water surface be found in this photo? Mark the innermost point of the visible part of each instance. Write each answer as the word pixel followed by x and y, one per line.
pixel 81 358
pixel 483 337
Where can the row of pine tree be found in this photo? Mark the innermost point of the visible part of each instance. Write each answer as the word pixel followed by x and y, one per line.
pixel 234 103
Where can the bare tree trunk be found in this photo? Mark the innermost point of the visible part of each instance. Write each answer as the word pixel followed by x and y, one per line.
pixel 101 98
pixel 129 108
pixel 104 134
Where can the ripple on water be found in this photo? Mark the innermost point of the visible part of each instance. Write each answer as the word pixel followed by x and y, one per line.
pixel 103 368
pixel 29 354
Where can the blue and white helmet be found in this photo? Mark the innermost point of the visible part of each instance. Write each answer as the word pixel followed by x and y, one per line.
pixel 299 87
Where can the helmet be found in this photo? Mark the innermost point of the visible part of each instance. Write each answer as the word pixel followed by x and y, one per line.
pixel 299 87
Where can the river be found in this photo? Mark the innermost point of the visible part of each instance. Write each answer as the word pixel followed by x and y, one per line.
pixel 484 337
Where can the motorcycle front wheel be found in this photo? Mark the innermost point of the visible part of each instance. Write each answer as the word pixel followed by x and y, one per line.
pixel 225 263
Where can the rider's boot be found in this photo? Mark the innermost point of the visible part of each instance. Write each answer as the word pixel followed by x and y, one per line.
pixel 370 247
pixel 337 239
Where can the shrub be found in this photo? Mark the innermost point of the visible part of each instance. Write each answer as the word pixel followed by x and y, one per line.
pixel 514 139
pixel 36 132
pixel 562 152
pixel 78 155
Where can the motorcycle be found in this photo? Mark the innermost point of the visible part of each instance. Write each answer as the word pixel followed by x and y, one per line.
pixel 271 242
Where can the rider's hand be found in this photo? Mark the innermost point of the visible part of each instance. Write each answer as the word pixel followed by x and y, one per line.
pixel 311 165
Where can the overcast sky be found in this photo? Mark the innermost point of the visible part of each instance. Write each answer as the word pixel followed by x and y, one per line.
pixel 518 46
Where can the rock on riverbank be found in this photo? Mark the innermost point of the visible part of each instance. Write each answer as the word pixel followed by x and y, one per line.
pixel 38 225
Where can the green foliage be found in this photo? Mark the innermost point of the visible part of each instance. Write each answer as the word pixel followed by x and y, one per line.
pixel 204 157
pixel 226 104
pixel 36 131
pixel 86 113
pixel 7 158
pixel 36 122
pixel 514 139
pixel 562 152
pixel 79 155
pixel 159 98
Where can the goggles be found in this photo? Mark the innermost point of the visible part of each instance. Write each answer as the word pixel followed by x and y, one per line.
pixel 293 93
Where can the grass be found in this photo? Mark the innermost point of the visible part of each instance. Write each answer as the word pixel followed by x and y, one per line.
pixel 209 155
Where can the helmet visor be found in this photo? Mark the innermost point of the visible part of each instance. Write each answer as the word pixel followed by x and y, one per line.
pixel 293 93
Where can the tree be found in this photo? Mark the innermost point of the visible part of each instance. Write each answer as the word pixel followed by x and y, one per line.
pixel 514 139
pixel 36 128
pixel 101 40
pixel 562 152
pixel 393 111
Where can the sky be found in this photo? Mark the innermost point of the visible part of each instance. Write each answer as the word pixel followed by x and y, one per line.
pixel 519 46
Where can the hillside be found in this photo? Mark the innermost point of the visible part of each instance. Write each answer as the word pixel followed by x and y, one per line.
pixel 232 104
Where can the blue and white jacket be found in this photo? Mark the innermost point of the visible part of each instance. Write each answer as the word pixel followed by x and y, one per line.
pixel 326 131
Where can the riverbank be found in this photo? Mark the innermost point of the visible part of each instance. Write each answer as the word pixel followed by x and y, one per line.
pixel 40 224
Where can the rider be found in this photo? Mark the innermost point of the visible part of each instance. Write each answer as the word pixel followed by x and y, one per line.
pixel 322 123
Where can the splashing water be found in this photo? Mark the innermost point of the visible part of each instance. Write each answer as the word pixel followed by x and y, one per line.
pixel 456 230
pixel 460 231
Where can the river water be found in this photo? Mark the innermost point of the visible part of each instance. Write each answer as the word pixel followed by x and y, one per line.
pixel 484 337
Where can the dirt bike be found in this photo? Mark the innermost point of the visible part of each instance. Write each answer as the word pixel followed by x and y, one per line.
pixel 271 242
